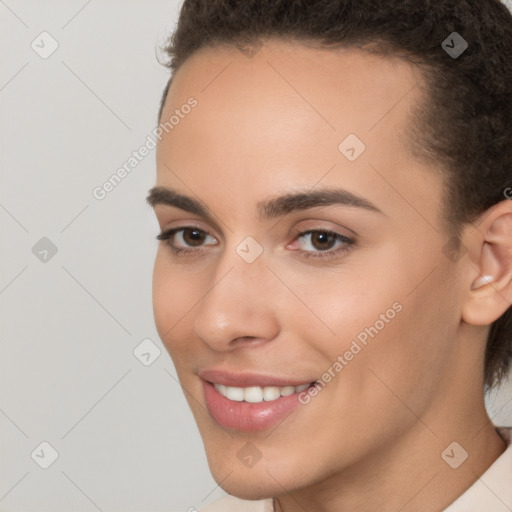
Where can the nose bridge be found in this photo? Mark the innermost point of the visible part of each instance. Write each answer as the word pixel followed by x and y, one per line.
pixel 238 302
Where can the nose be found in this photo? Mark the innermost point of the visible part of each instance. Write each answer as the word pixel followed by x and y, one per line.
pixel 237 309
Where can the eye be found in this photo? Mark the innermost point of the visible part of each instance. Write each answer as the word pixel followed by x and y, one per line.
pixel 189 235
pixel 322 241
pixel 191 239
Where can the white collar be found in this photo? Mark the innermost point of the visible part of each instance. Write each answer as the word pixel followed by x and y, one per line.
pixel 492 492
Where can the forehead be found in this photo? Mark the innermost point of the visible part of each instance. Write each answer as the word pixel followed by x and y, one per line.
pixel 319 77
pixel 282 115
pixel 293 89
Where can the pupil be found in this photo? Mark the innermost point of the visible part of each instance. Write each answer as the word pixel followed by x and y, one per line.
pixel 196 237
pixel 324 236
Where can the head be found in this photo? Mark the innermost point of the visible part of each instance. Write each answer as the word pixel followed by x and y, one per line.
pixel 346 182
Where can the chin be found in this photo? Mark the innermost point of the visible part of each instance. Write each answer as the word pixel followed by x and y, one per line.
pixel 263 480
pixel 248 483
pixel 248 488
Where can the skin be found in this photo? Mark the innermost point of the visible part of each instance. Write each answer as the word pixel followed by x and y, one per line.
pixel 372 439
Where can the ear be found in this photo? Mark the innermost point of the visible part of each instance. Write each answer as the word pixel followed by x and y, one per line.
pixel 489 283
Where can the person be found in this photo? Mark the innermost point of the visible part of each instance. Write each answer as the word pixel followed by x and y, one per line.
pixel 333 280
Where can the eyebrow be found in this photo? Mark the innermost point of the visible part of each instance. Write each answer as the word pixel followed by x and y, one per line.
pixel 270 208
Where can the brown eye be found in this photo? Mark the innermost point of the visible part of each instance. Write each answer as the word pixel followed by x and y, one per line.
pixel 322 240
pixel 185 240
pixel 322 243
pixel 195 237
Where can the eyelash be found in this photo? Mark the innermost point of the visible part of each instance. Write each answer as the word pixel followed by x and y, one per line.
pixel 168 235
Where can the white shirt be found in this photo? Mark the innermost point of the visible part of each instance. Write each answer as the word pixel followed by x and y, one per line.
pixel 492 492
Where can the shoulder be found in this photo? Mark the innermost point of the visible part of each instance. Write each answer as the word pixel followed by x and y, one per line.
pixel 492 491
pixel 232 504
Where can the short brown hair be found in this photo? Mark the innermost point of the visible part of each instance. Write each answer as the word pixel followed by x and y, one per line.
pixel 465 126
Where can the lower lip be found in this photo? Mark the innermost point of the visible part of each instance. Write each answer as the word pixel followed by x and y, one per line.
pixel 246 416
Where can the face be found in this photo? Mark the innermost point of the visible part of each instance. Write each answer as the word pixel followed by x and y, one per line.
pixel 315 263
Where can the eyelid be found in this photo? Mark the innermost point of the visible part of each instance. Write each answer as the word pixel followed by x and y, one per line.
pixel 323 225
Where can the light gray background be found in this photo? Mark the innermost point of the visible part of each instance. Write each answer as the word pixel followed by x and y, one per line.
pixel 125 438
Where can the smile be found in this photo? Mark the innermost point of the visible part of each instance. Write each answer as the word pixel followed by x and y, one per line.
pixel 257 394
pixel 251 408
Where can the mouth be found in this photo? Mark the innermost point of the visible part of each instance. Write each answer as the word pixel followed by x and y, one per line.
pixel 249 402
pixel 258 394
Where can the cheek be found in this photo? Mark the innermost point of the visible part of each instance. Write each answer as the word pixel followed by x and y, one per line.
pixel 408 359
pixel 171 299
pixel 163 299
pixel 393 361
pixel 357 300
pixel 382 325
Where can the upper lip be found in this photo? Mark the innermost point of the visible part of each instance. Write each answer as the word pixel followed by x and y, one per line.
pixel 247 379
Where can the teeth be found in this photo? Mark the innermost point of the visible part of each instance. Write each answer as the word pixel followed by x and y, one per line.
pixel 287 390
pixel 253 394
pixel 271 393
pixel 236 394
pixel 257 394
